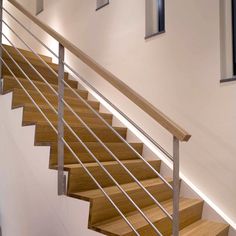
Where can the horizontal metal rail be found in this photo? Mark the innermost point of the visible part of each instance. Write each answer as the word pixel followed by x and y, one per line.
pixel 32 100
pixel 32 83
pixel 99 140
pixel 26 29
pixel 97 92
pixel 117 134
pixel 37 55
pixel 95 112
pixel 94 157
pixel 120 112
pixel 75 155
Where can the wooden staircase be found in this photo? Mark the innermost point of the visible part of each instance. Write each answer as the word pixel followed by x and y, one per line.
pixel 103 217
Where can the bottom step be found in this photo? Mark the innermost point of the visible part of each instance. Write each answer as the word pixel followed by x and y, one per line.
pixel 205 228
pixel 190 212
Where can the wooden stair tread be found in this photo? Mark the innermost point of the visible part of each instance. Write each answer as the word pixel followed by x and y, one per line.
pixel 27 54
pixel 30 117
pixel 71 124
pixel 98 145
pixel 121 150
pixel 78 127
pixel 96 193
pixel 205 228
pixel 85 112
pixel 106 163
pixel 68 99
pixel 39 84
pixel 35 74
pixel 118 226
pixel 35 62
pixel 45 134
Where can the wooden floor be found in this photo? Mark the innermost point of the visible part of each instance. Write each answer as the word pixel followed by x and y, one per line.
pixel 103 217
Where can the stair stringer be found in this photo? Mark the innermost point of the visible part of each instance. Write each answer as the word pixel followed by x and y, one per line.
pixel 29 204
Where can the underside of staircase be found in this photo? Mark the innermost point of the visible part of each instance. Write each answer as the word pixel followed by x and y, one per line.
pixel 103 216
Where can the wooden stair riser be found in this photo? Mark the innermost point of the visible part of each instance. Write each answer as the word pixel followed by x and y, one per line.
pixel 29 55
pixel 187 217
pixel 79 180
pixel 34 61
pixel 37 117
pixel 45 72
pixel 20 98
pixel 101 209
pixel 81 111
pixel 224 232
pixel 201 227
pixel 10 83
pixel 45 134
pixel 119 149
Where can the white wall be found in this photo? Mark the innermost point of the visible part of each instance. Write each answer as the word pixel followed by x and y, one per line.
pixel 29 205
pixel 178 72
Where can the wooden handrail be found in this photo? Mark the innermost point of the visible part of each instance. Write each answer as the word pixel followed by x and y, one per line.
pixel 141 102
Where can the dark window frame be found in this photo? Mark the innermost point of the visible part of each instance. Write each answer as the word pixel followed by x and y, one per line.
pixel 233 11
pixel 39 7
pixel 161 19
pixel 102 6
pixel 234 35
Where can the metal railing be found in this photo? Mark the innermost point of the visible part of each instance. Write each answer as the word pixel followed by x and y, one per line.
pixel 59 129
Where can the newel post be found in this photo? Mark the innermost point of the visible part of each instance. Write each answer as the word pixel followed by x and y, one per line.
pixel 60 147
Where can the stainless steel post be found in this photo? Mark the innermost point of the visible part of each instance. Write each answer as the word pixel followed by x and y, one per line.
pixel 176 189
pixel 1 17
pixel 60 157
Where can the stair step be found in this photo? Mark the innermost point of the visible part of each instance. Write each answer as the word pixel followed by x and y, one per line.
pixel 30 118
pixel 82 111
pixel 20 98
pixel 101 208
pixel 42 69
pixel 205 228
pixel 9 83
pixel 45 134
pixel 29 55
pixel 121 150
pixel 114 190
pixel 190 211
pixel 79 180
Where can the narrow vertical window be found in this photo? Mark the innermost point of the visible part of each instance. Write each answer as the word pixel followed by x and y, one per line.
pixel 155 17
pixel 101 4
pixel 228 40
pixel 39 6
pixel 234 34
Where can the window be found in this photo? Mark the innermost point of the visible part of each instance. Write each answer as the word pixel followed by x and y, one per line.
pixel 234 34
pixel 228 39
pixel 39 6
pixel 101 4
pixel 155 17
